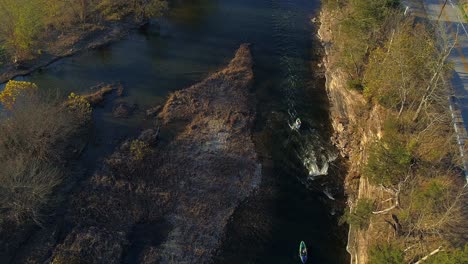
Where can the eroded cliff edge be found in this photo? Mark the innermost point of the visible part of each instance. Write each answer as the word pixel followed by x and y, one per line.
pixel 355 125
pixel 166 196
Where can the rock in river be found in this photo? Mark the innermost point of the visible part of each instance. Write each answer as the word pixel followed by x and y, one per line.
pixel 123 110
pixel 153 111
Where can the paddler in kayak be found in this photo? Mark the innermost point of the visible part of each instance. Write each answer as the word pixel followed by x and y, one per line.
pixel 303 252
pixel 296 125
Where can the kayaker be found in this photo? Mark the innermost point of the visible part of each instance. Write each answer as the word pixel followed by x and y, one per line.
pixel 303 252
pixel 298 123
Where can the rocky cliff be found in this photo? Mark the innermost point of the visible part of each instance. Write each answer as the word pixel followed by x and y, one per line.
pixel 355 125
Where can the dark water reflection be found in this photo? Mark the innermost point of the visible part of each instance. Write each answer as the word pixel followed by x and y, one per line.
pixel 196 38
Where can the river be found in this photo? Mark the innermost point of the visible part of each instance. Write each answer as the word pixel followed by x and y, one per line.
pixel 301 196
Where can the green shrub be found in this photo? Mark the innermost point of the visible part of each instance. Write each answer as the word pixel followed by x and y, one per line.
pixel 388 163
pixel 80 106
pixel 430 196
pixel 455 256
pixel 355 84
pixel 21 23
pixel 361 215
pixel 396 72
pixel 430 199
pixel 333 4
pixel 14 90
pixel 388 254
pixel 139 149
pixel 361 30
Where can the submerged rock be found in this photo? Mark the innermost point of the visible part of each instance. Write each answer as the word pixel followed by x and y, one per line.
pixel 120 90
pixel 123 110
pixel 153 111
pixel 149 136
pixel 98 96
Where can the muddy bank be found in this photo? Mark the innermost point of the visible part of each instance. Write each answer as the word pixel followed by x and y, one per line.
pixel 185 185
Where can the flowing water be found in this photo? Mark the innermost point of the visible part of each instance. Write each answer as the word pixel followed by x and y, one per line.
pixel 300 197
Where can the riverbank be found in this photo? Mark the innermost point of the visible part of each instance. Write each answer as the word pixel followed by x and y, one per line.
pixel 402 185
pixel 68 44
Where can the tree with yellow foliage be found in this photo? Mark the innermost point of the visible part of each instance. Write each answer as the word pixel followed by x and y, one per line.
pixel 15 89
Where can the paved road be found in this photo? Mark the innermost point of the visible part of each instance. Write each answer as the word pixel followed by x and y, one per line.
pixel 450 19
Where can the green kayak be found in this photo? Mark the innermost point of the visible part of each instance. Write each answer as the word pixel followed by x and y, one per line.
pixel 303 252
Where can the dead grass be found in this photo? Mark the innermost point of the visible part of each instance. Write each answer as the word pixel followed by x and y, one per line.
pixel 33 141
pixel 27 184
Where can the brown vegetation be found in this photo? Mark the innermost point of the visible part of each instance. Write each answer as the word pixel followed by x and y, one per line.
pixel 35 141
pixel 33 136
pixel 182 191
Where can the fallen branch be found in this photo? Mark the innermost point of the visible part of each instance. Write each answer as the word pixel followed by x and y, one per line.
pixel 430 254
pixel 385 210
pixel 410 247
pixel 396 198
pixel 392 191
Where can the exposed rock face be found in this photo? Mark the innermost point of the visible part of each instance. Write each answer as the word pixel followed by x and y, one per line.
pixel 355 126
pixel 189 186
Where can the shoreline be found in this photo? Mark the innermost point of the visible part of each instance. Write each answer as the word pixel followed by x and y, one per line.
pixel 82 42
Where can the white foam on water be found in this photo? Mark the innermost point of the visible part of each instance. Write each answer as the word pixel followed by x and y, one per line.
pixel 316 161
pixel 328 194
